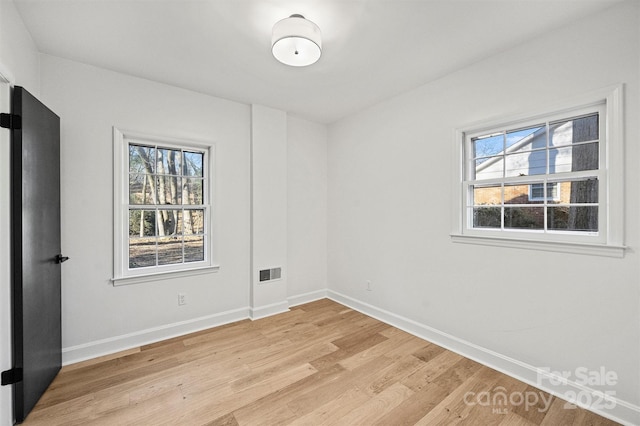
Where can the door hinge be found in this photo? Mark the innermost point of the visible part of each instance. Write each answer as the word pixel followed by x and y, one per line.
pixel 12 376
pixel 10 121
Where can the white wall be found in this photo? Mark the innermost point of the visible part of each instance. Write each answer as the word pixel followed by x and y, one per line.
pixel 268 209
pixel 18 53
pixel 98 317
pixel 18 65
pixel 389 174
pixel 306 210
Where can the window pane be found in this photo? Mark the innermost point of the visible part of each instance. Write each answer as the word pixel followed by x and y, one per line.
pixel 524 217
pixel 487 195
pixel 141 189
pixel 526 139
pixel 142 252
pixel 573 218
pixel 582 191
pixel 583 129
pixel 142 223
pixel 486 217
pixel 169 190
pixel 169 162
pixel 526 164
pixel 141 158
pixel 537 191
pixel 487 146
pixel 169 250
pixel 193 222
pixel 192 191
pixel 517 194
pixel 168 223
pixel 489 168
pixel 193 162
pixel 553 191
pixel 194 249
pixel 574 158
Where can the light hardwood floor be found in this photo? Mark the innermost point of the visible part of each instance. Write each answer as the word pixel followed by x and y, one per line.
pixel 320 363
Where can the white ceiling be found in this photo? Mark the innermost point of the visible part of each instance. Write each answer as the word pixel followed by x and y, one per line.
pixel 372 49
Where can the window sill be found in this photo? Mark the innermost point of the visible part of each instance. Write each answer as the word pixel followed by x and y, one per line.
pixel 118 281
pixel 554 246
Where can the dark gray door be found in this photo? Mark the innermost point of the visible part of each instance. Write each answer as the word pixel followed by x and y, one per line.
pixel 36 249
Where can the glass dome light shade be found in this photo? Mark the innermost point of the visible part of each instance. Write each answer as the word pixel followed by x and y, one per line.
pixel 296 41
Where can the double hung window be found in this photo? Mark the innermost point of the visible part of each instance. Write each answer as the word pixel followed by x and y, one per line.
pixel 550 181
pixel 162 206
pixel 544 177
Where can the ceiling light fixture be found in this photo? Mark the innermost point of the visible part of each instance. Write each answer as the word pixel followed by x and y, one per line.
pixel 296 41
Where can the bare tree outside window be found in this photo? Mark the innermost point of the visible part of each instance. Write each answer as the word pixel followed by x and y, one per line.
pixel 166 206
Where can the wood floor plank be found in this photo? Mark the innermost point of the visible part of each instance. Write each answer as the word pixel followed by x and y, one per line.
pixel 76 389
pixel 272 363
pixel 204 405
pixel 309 401
pixel 382 348
pixel 335 410
pixel 226 420
pixel 535 407
pixel 431 369
pixel 513 419
pixel 498 407
pixel 457 374
pixel 253 412
pixel 413 408
pixel 363 343
pixel 70 412
pixel 428 351
pixel 376 407
pixel 321 363
pixel 449 410
pixel 402 367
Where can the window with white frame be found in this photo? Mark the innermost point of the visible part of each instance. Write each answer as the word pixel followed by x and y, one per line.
pixel 162 206
pixel 548 178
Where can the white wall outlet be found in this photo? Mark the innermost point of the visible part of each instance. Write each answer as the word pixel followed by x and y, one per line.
pixel 182 299
pixel 368 285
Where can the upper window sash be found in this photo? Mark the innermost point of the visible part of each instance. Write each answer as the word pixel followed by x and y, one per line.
pixel 487 150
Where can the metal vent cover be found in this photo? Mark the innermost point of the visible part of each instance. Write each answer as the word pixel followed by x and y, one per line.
pixel 270 274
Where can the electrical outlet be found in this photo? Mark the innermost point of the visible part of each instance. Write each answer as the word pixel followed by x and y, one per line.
pixel 182 299
pixel 368 285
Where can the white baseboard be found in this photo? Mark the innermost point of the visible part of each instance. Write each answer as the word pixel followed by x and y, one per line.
pixel 98 348
pixel 312 296
pixel 621 411
pixel 73 354
pixel 268 310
